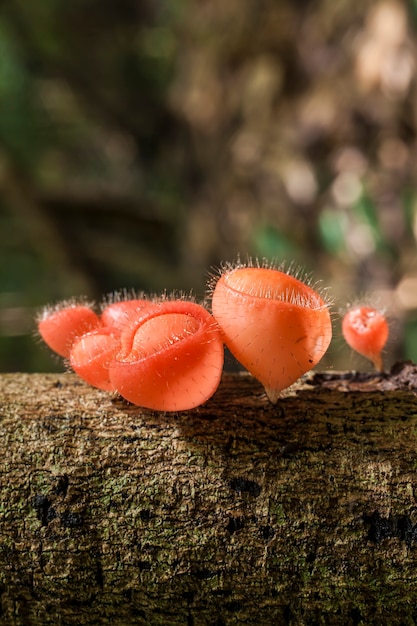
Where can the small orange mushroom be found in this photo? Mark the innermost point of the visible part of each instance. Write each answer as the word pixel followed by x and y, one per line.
pixel 171 358
pixel 61 327
pixel 122 313
pixel 91 355
pixel 276 326
pixel 365 330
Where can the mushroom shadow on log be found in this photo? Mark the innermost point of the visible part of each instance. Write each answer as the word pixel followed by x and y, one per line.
pixel 238 512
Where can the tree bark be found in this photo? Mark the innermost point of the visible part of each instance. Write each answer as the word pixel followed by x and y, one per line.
pixel 238 512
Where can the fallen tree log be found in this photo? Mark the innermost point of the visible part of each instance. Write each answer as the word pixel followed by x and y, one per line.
pixel 238 512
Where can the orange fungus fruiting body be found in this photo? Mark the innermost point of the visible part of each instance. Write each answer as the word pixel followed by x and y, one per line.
pixel 91 355
pixel 171 360
pixel 366 331
pixel 275 325
pixel 119 315
pixel 61 328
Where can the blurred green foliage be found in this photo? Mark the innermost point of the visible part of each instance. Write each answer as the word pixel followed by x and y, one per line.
pixel 144 142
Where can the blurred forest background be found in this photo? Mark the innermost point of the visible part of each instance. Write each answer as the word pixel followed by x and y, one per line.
pixel 143 142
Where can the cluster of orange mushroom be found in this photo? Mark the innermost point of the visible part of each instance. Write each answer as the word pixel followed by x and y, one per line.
pixel 167 354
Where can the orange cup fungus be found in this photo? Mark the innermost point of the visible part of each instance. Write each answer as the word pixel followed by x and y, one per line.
pixel 172 358
pixel 365 330
pixel 165 355
pixel 61 327
pixel 120 314
pixel 276 326
pixel 91 355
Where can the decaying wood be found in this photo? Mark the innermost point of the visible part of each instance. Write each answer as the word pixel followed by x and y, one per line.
pixel 238 512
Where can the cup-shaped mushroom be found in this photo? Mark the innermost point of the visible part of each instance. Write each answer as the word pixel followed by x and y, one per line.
pixel 123 313
pixel 276 326
pixel 92 354
pixel 171 360
pixel 366 330
pixel 61 327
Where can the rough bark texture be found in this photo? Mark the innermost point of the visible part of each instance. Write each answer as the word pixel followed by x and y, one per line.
pixel 238 512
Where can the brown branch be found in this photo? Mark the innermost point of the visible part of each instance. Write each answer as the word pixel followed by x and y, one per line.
pixel 238 512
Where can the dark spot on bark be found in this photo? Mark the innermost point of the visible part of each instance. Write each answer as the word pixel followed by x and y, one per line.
pixel 50 515
pixel 57 385
pixel 289 449
pixel 311 621
pixel 49 426
pixel 379 527
pixel 61 486
pixel 332 429
pixel 44 512
pixel 139 613
pixel 71 520
pixel 234 606
pixel 144 565
pixel 267 532
pixel 145 515
pixel 40 503
pixel 356 616
pixel 394 526
pixel 229 444
pixel 222 593
pixel 99 575
pixel 203 574
pixel 407 532
pixel 347 428
pixel 3 591
pixel 150 548
pixel 188 595
pixel 234 524
pixel 244 485
pixel 311 557
pixel 130 439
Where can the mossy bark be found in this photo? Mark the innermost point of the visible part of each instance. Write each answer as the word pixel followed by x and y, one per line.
pixel 239 512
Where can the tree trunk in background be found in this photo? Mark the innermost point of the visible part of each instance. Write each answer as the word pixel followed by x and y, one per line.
pixel 238 512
